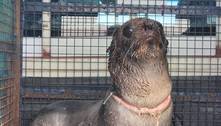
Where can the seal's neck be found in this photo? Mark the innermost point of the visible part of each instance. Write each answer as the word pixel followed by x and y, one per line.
pixel 144 85
pixel 144 110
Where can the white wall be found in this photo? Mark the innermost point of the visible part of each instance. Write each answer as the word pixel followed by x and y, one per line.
pixel 178 45
pixel 188 56
pixel 81 26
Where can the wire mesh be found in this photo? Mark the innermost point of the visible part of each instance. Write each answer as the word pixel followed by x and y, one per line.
pixel 65 42
pixel 8 100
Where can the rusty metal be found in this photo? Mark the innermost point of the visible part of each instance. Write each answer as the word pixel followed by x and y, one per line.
pixel 16 67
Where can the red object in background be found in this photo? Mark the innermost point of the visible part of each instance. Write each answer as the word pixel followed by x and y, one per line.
pixel 218 51
pixel 46 54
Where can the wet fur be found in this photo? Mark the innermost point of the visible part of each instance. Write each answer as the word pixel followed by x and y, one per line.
pixel 135 64
pixel 138 68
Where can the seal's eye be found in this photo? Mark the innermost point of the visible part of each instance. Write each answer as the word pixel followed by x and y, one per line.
pixel 127 31
pixel 161 45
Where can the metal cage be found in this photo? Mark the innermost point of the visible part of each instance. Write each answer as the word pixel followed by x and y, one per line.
pixel 9 62
pixel 64 52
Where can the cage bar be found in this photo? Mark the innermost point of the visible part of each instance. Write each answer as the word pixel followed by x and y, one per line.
pixel 64 52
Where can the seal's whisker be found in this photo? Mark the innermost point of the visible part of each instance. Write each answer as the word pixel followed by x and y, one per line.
pixel 128 51
pixel 133 54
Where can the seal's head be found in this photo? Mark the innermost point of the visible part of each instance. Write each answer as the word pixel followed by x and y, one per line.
pixel 139 39
pixel 137 60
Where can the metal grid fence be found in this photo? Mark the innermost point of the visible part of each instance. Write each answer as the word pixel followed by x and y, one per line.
pixel 9 62
pixel 65 42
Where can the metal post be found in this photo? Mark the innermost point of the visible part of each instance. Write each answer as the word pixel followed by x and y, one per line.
pixel 46 32
pixel 218 31
pixel 16 65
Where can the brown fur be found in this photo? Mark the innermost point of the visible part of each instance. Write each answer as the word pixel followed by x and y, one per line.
pixel 142 65
pixel 138 67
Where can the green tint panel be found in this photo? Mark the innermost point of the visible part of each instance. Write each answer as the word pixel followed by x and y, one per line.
pixel 3 65
pixel 6 20
pixel 3 73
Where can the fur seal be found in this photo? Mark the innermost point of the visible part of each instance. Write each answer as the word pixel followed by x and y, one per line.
pixel 141 84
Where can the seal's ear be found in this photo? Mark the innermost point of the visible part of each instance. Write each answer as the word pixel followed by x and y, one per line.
pixel 163 37
pixel 117 28
pixel 113 42
pixel 166 45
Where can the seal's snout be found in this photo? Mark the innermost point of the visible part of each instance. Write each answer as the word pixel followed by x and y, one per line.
pixel 150 45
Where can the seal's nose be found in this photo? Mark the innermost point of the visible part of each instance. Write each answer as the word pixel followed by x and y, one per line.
pixel 151 43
